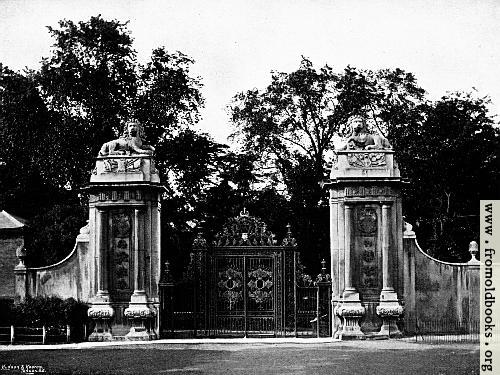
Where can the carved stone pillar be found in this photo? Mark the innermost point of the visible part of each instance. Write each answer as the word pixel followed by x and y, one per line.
pixel 138 311
pixel 138 261
pixel 349 289
pixel 101 311
pixel 335 255
pixel 350 310
pixel 387 288
pixel 102 261
pixel 389 308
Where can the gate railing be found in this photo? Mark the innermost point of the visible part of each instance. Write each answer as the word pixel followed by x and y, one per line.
pixel 441 329
pixel 182 314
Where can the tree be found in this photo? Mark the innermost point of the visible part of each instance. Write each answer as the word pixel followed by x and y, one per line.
pixel 88 83
pixel 301 113
pixel 23 121
pixel 450 157
pixel 55 120
pixel 294 121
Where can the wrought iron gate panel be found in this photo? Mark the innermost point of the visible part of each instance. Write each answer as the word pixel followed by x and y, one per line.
pixel 230 303
pixel 260 295
pixel 245 298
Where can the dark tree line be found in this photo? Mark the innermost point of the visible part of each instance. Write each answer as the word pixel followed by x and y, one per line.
pixel 53 121
pixel 447 149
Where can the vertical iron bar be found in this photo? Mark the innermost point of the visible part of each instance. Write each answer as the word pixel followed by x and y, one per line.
pixel 275 293
pixel 195 295
pixel 317 310
pixel 295 293
pixel 245 294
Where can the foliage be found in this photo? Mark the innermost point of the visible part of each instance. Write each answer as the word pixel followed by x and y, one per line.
pixel 53 122
pixel 168 98
pixel 53 231
pixel 450 157
pixel 88 83
pixel 23 121
pixel 301 112
pixel 48 311
pixel 297 118
pixel 447 149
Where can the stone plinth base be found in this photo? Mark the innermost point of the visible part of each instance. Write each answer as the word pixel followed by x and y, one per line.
pixel 101 313
pixel 139 334
pixel 389 312
pixel 100 334
pixel 350 313
pixel 140 315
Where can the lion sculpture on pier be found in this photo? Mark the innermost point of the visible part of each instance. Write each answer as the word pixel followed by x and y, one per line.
pixel 130 143
pixel 362 139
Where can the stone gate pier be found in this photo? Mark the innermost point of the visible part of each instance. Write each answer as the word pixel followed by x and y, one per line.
pixel 124 238
pixel 366 244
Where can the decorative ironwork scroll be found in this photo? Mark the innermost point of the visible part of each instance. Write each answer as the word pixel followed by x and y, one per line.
pixel 245 230
pixel 230 286
pixel 260 286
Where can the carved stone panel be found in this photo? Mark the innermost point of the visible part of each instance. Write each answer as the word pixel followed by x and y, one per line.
pixel 367 220
pixel 368 263
pixel 122 165
pixel 121 243
pixel 366 159
pixel 366 247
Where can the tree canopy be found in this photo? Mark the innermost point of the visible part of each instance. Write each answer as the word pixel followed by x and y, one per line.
pixel 447 148
pixel 54 120
pixel 303 111
pixel 294 122
pixel 450 158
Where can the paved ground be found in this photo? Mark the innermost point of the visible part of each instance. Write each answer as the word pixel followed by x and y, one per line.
pixel 245 357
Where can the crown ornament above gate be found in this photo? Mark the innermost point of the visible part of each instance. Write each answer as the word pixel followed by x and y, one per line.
pixel 247 230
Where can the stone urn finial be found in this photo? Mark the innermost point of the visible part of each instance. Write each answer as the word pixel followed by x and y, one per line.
pixel 473 250
pixel 21 254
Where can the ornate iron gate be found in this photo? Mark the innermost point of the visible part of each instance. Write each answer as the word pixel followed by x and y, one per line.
pixel 245 297
pixel 245 284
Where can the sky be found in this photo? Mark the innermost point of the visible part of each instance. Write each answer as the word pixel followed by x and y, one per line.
pixel 448 45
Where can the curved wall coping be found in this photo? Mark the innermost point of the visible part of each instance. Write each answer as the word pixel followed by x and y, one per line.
pixel 410 235
pixel 80 238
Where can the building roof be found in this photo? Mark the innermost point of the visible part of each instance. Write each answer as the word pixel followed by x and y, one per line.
pixel 8 221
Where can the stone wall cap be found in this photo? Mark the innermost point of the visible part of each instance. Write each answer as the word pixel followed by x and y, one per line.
pixel 135 184
pixel 357 180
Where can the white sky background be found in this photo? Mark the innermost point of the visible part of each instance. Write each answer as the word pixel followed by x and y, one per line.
pixel 449 45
